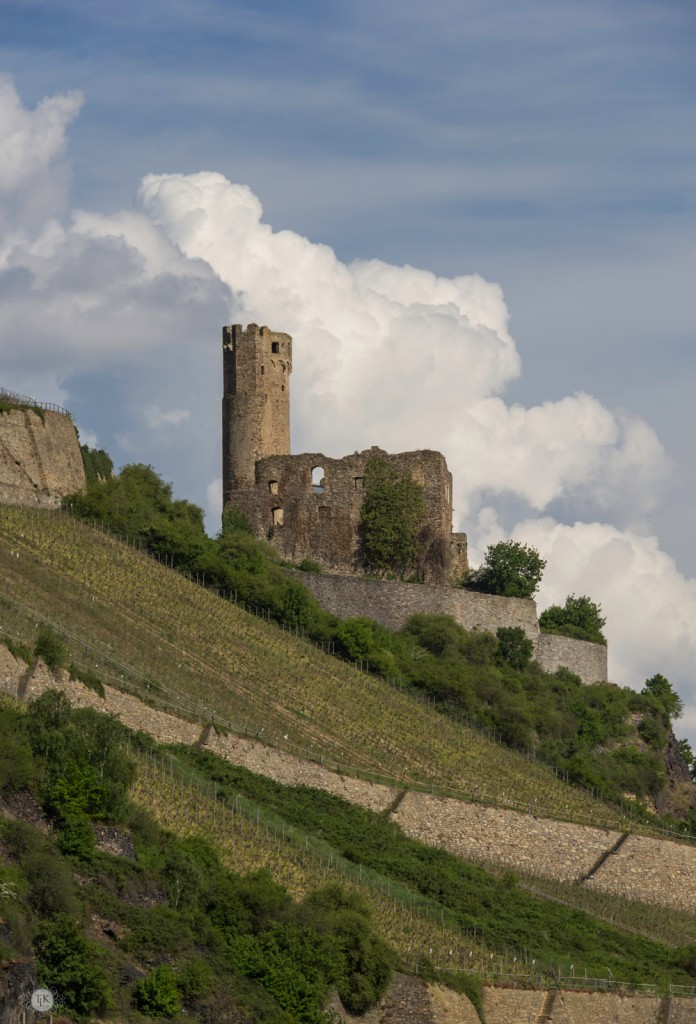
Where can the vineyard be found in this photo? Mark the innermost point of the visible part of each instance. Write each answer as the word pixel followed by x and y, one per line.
pixel 249 836
pixel 145 628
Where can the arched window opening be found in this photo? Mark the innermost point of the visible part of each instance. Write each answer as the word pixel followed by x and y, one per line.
pixel 277 517
pixel 318 480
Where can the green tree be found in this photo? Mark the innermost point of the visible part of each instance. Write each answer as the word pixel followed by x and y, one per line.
pixel 669 700
pixel 51 648
pixel 579 617
pixel 68 963
pixel 390 519
pixel 158 994
pixel 510 569
pixel 514 647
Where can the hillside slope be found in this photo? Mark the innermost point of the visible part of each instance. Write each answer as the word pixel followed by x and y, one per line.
pixel 152 630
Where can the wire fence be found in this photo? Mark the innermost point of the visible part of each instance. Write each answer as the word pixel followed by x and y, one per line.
pixel 26 400
pixel 449 949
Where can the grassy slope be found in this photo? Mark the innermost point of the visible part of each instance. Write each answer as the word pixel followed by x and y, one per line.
pixel 217 657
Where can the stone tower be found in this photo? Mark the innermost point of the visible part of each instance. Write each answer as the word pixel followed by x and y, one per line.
pixel 257 363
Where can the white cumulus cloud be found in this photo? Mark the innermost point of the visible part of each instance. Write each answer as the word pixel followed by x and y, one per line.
pixel 129 305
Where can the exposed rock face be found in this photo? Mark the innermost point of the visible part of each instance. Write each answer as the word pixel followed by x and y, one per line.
pixel 680 795
pixel 40 458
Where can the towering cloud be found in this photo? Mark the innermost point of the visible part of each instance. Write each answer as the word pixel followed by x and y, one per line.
pixel 383 354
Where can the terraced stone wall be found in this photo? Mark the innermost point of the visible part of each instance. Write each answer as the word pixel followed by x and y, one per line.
pixel 647 869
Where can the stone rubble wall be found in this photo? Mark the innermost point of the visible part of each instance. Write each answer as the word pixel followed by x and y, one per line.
pixel 293 771
pixel 682 1011
pixel 645 869
pixel 516 1006
pixel 589 661
pixel 391 602
pixel 555 849
pixel 661 872
pixel 40 458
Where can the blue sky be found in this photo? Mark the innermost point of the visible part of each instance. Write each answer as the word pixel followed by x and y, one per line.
pixel 548 147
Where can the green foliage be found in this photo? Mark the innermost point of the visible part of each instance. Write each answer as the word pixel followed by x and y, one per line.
pixel 51 888
pixel 19 650
pixel 7 405
pixel 51 649
pixel 466 895
pixel 309 565
pixel 158 994
pixel 510 569
pixel 76 837
pixel 365 964
pixel 97 464
pixel 661 690
pixel 68 963
pixel 390 519
pixel 87 678
pixel 17 770
pixel 233 519
pixel 580 618
pixel 89 772
pixel 514 647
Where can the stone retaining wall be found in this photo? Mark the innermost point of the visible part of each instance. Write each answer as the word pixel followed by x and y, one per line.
pixel 646 869
pixel 662 872
pixel 589 661
pixel 391 602
pixel 516 1006
pixel 293 771
pixel 555 849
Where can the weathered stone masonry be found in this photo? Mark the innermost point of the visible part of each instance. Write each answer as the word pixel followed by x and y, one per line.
pixel 40 458
pixel 390 603
pixel 308 505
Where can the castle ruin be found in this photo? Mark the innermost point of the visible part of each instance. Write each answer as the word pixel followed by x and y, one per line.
pixel 309 505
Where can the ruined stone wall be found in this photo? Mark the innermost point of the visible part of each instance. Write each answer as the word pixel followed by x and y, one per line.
pixel 257 363
pixel 391 602
pixel 40 458
pixel 309 505
pixel 587 660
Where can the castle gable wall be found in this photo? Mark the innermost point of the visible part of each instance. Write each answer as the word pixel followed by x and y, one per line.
pixel 309 505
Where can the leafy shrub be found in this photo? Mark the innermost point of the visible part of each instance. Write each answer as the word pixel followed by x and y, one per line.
pixel 514 646
pixel 158 994
pixel 309 565
pixel 76 837
pixel 510 569
pixel 67 962
pixel 51 888
pixel 51 648
pixel 579 618
pixel 390 518
pixel 87 678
